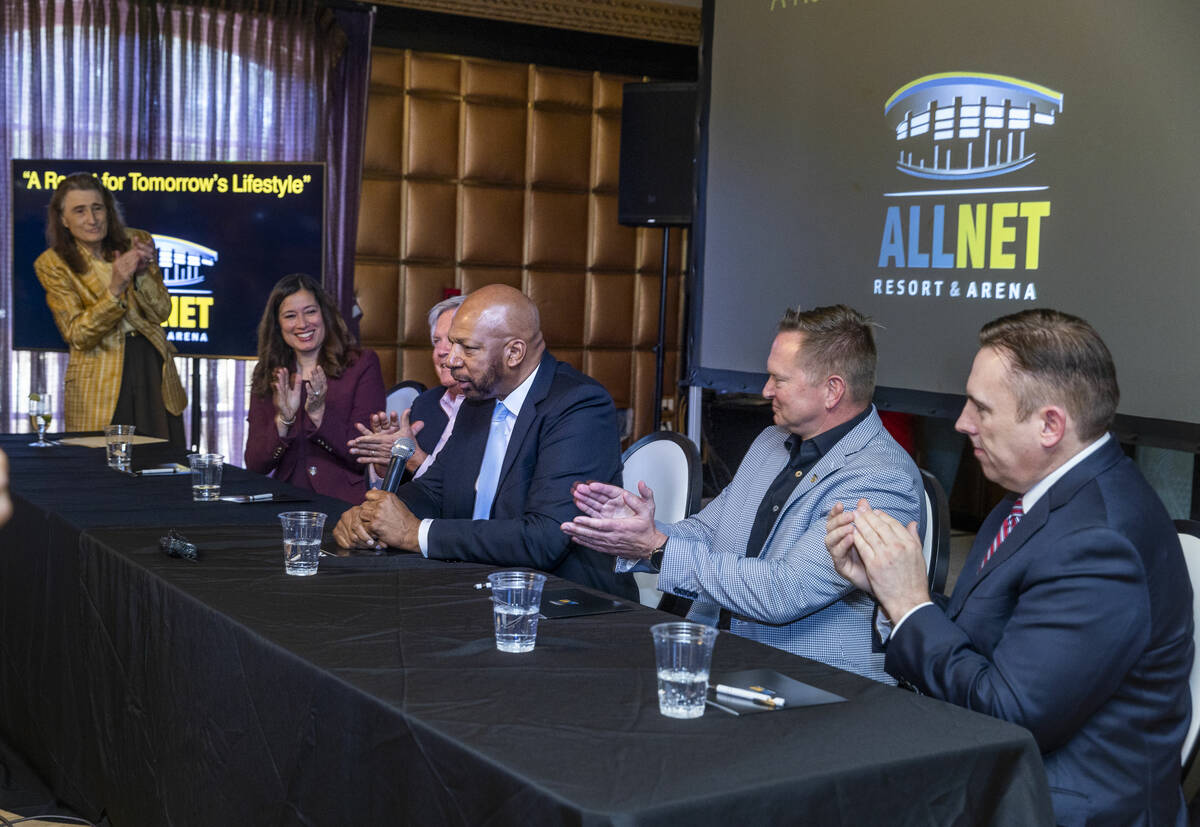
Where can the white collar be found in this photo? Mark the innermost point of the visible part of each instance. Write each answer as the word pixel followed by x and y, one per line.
pixel 1043 485
pixel 516 398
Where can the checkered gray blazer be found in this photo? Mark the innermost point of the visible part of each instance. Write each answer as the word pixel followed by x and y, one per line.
pixel 790 596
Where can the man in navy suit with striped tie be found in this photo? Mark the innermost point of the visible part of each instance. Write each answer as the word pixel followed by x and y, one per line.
pixel 1073 614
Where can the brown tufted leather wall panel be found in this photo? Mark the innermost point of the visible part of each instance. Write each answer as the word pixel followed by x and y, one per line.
pixel 416 72
pixel 612 247
pixel 561 150
pixel 379 220
pixel 428 221
pixel 613 294
pixel 498 81
pixel 377 286
pixel 557 228
pixel 479 172
pixel 494 144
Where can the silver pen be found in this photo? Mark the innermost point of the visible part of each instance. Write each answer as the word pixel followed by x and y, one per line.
pixel 162 470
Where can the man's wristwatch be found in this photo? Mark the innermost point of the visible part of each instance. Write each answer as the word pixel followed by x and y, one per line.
pixel 656 557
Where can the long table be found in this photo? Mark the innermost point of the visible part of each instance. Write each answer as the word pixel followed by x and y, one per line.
pixel 164 691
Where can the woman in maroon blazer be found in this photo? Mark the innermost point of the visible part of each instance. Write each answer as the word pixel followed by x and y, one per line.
pixel 311 385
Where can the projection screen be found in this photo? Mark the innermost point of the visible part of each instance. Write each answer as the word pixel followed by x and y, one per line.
pixel 938 165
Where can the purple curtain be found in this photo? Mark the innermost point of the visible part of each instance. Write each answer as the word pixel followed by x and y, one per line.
pixel 236 80
pixel 346 127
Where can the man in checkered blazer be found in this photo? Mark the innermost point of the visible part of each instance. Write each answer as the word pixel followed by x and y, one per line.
pixel 757 552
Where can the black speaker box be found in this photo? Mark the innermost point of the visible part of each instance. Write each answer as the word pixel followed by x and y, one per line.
pixel 658 150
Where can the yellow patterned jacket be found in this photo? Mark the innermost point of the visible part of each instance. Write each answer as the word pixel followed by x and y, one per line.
pixel 89 319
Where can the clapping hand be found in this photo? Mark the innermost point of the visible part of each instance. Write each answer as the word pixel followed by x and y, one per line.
pixel 600 499
pixel 285 393
pixel 316 386
pixel 129 264
pixel 375 443
pixel 839 541
pixel 872 550
pixel 615 521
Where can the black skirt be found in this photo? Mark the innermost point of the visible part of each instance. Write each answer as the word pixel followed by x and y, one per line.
pixel 140 402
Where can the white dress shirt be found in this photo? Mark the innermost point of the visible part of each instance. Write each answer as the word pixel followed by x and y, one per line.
pixel 514 402
pixel 1027 501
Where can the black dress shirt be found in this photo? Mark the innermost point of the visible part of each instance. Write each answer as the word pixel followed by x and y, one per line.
pixel 804 455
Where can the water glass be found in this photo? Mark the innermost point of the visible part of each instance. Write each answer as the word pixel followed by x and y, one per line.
pixel 41 411
pixel 682 653
pixel 206 476
pixel 302 531
pixel 516 602
pixel 118 443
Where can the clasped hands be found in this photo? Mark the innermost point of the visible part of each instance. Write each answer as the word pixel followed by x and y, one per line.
pixel 131 262
pixel 382 521
pixel 374 446
pixel 877 554
pixel 615 521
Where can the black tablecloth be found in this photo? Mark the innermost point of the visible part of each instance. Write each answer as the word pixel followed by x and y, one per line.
pixel 222 691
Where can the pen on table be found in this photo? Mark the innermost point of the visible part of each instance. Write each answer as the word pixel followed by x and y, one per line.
pixel 154 472
pixel 259 497
pixel 745 694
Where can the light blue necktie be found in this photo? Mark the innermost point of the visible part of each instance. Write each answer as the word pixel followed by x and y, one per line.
pixel 493 458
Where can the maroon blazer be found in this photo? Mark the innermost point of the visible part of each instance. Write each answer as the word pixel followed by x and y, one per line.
pixel 317 458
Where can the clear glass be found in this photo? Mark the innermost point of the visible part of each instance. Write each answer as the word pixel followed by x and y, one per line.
pixel 516 608
pixel 206 476
pixel 302 532
pixel 118 446
pixel 41 412
pixel 682 654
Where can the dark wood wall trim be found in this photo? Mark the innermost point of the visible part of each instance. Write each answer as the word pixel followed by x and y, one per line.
pixel 641 19
pixel 405 28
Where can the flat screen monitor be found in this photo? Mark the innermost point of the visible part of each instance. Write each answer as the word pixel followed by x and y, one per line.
pixel 225 233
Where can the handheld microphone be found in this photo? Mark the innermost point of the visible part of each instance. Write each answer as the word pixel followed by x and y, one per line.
pixel 402 449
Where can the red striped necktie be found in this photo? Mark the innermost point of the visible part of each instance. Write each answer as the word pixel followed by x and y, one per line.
pixel 1006 527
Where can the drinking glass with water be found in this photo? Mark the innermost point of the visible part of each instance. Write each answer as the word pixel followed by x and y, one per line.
pixel 516 605
pixel 206 476
pixel 302 532
pixel 41 412
pixel 683 654
pixel 118 445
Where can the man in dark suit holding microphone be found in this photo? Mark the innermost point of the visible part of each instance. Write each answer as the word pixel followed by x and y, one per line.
pixel 1073 614
pixel 501 486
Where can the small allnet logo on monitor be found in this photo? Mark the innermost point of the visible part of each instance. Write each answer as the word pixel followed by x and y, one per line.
pixel 962 126
pixel 182 261
pixel 183 264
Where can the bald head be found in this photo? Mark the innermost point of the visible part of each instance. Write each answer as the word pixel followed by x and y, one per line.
pixel 503 309
pixel 496 341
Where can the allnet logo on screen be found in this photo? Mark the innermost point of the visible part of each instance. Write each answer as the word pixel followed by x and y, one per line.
pixel 181 263
pixel 958 134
